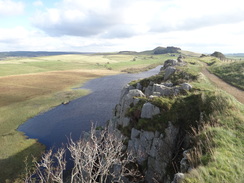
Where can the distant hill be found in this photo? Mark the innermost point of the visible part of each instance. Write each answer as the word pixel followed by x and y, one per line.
pixel 219 55
pixel 169 49
pixel 155 51
pixel 235 55
pixel 34 53
pixel 128 52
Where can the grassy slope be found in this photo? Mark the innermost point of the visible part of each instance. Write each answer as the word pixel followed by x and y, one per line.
pixel 29 86
pixel 220 146
pixel 218 152
pixel 221 151
pixel 232 73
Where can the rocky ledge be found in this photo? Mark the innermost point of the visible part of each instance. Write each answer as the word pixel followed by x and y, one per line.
pixel 155 150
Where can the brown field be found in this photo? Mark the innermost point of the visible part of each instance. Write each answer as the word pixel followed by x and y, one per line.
pixel 17 88
pixel 24 96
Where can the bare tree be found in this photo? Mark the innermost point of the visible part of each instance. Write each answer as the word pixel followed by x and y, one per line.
pixel 49 169
pixel 98 157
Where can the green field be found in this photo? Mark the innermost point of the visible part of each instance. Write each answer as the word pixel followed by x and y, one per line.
pixel 232 72
pixel 29 86
pixel 70 62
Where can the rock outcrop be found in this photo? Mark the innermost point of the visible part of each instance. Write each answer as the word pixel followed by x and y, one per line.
pixel 154 150
pixel 169 49
pixel 219 55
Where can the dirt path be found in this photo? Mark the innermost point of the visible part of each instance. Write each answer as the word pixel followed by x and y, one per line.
pixel 237 93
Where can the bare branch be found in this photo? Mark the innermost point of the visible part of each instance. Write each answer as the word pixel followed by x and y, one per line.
pixel 97 158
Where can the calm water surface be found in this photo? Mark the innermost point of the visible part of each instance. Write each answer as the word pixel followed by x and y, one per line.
pixel 53 127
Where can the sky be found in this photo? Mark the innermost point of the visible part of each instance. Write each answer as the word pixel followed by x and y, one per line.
pixel 202 26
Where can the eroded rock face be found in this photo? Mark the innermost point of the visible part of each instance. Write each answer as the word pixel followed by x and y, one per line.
pixel 127 98
pixel 155 150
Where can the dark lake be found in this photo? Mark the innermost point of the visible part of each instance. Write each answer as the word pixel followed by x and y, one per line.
pixel 53 127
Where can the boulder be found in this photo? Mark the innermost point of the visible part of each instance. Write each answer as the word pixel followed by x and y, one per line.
pixel 168 84
pixel 147 135
pixel 135 93
pixel 125 91
pixel 168 72
pixel 125 121
pixel 155 94
pixel 163 90
pixel 179 59
pixel 149 110
pixel 135 133
pixel 129 98
pixel 136 100
pixel 148 90
pixel 170 62
pixel 184 163
pixel 178 178
pixel 138 86
pixel 185 86
pixel 176 91
pixel 125 103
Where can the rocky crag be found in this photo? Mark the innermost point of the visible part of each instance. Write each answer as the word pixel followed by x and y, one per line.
pixel 159 144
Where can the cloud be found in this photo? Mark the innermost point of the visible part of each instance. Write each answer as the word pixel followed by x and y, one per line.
pixel 13 35
pixel 10 8
pixel 191 15
pixel 108 18
pixel 114 25
pixel 38 3
pixel 77 18
pixel 73 22
pixel 121 19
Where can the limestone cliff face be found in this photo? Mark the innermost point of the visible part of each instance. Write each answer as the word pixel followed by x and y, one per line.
pixel 155 150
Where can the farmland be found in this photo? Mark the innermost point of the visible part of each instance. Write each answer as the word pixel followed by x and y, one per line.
pixel 29 86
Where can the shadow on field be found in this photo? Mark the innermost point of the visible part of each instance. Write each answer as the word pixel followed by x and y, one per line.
pixel 14 167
